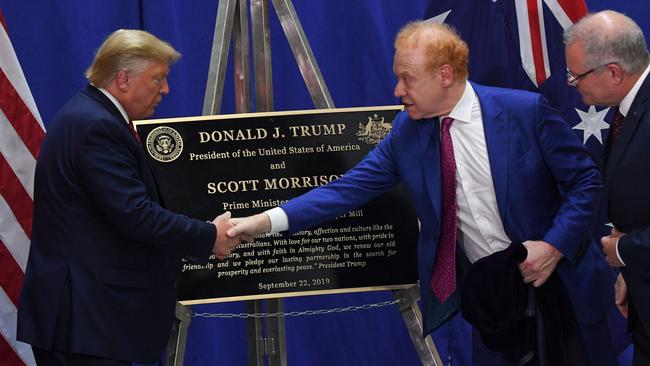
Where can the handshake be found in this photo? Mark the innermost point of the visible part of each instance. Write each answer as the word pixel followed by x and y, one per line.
pixel 232 231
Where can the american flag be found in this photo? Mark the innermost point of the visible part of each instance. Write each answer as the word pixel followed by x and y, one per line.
pixel 21 135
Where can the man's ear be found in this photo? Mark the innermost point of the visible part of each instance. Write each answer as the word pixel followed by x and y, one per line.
pixel 446 73
pixel 122 80
pixel 616 73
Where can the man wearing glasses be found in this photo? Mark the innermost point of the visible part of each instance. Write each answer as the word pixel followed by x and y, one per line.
pixel 572 79
pixel 487 169
pixel 608 62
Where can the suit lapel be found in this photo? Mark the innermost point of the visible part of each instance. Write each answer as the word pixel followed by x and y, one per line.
pixel 630 124
pixel 96 94
pixel 497 139
pixel 429 137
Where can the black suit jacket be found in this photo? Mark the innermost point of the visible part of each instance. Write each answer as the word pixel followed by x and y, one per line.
pixel 104 254
pixel 528 325
pixel 627 190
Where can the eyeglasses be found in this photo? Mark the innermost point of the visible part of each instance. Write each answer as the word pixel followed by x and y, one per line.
pixel 572 79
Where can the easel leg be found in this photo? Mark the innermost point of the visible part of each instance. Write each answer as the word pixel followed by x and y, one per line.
pixel 255 334
pixel 275 332
pixel 178 338
pixel 273 345
pixel 413 318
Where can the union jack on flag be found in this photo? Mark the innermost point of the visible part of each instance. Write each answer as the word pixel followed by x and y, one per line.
pixel 532 32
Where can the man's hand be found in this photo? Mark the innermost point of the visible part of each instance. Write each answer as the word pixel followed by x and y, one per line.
pixel 249 227
pixel 540 263
pixel 620 292
pixel 224 244
pixel 609 247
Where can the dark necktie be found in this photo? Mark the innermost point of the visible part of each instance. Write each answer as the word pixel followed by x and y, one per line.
pixel 443 277
pixel 135 134
pixel 615 127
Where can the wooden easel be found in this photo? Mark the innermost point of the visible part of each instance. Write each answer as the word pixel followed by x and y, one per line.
pixel 233 22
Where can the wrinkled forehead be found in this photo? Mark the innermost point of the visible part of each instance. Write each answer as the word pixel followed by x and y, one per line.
pixel 408 59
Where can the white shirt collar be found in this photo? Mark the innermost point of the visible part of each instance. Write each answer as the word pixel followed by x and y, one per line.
pixel 117 104
pixel 626 103
pixel 462 111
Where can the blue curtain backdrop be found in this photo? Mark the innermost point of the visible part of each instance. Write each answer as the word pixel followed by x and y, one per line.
pixel 352 41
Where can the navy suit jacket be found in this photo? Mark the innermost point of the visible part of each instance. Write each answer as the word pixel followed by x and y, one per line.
pixel 100 279
pixel 546 185
pixel 627 179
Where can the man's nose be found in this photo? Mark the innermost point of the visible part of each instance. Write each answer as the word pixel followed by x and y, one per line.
pixel 399 90
pixel 164 89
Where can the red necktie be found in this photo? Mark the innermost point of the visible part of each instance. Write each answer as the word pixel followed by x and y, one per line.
pixel 615 126
pixel 443 277
pixel 135 134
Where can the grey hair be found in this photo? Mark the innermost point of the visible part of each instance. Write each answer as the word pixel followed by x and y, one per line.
pixel 624 44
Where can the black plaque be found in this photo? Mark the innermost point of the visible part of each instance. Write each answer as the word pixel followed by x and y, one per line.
pixel 249 163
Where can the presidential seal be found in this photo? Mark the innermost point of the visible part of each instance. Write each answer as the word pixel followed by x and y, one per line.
pixel 373 131
pixel 164 144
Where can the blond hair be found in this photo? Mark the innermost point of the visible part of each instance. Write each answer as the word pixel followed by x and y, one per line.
pixel 128 49
pixel 442 45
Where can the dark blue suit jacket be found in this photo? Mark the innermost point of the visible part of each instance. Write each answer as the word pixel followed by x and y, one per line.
pixel 627 181
pixel 104 254
pixel 547 188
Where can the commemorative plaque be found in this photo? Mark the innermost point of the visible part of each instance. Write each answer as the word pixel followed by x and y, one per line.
pixel 249 163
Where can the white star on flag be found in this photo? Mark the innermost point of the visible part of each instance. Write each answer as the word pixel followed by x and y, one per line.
pixel 591 123
pixel 440 18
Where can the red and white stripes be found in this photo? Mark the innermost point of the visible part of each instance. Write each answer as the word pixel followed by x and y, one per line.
pixel 532 33
pixel 21 135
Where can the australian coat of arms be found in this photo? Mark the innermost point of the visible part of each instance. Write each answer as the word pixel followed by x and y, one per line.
pixel 373 131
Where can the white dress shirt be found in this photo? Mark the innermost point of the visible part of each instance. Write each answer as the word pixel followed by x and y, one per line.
pixel 626 103
pixel 480 228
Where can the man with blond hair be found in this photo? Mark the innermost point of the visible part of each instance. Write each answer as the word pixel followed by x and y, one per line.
pixel 608 62
pixel 486 169
pixel 99 286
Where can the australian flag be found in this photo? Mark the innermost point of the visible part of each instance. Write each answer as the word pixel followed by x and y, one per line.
pixel 519 44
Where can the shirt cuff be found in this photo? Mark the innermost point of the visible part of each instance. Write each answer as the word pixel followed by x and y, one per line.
pixel 279 220
pixel 617 253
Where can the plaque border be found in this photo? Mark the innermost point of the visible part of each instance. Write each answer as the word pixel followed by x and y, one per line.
pixel 283 295
pixel 217 117
pixel 278 295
